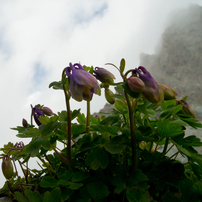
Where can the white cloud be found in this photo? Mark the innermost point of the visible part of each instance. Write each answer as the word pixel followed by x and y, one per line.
pixel 46 35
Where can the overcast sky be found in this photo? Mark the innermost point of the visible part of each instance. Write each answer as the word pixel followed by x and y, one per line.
pixel 39 38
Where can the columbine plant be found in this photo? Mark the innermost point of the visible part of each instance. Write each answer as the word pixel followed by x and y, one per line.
pixel 122 155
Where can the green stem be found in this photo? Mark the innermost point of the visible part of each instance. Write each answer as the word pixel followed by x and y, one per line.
pixel 42 160
pixel 69 159
pixel 166 145
pixel 175 154
pixel 68 129
pixel 88 117
pixel 132 132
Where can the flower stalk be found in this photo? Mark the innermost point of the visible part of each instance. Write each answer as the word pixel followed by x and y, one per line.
pixel 132 132
pixel 68 124
pixel 88 117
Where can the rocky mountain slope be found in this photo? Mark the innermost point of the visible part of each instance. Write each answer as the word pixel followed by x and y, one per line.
pixel 178 58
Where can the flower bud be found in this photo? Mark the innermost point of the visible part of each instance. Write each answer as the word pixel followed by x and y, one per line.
pixel 24 123
pixel 104 75
pixel 186 109
pixel 7 167
pixel 169 93
pixel 47 111
pixel 108 96
pixel 152 92
pixel 136 84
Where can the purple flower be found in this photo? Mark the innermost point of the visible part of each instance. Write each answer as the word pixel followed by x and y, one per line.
pixel 152 91
pixel 20 144
pixel 104 75
pixel 82 84
pixel 36 112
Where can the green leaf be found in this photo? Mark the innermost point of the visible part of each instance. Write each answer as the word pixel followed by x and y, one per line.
pixel 121 106
pixel 64 182
pixel 31 132
pixel 66 175
pixel 143 107
pixel 105 129
pixel 30 195
pixel 63 115
pixel 186 189
pixel 119 182
pixel 197 170
pixel 49 128
pixel 48 181
pixel 119 89
pixel 75 186
pixel 138 195
pixel 81 119
pixel 55 194
pixel 78 129
pixel 114 148
pixel 46 196
pixel 170 111
pixel 33 147
pixel 110 120
pixel 167 103
pixel 188 141
pixel 168 129
pixel 197 158
pixel 75 113
pixel 194 123
pixel 182 149
pixel 115 145
pixel 98 158
pixel 169 197
pixel 122 65
pixel 97 190
pixel 56 85
pixel 136 177
pixel 65 193
pixel 37 196
pixel 20 197
pixel 79 176
pixel 180 122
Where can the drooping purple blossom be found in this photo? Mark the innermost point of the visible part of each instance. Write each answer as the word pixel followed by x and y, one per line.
pixel 82 84
pixel 152 91
pixel 36 112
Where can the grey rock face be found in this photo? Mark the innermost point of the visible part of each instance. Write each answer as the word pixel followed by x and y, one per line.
pixel 178 60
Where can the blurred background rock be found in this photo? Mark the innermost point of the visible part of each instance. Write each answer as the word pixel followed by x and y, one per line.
pixel 177 61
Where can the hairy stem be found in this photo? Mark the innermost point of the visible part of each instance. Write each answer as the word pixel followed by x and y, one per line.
pixel 132 132
pixel 69 159
pixel 88 117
